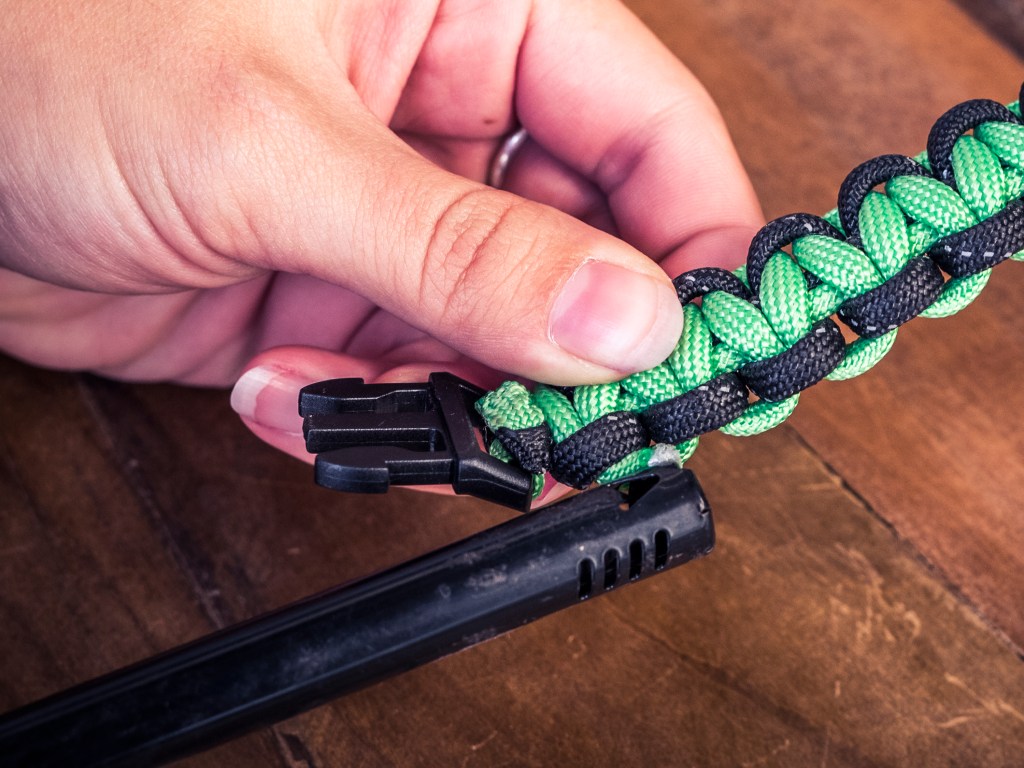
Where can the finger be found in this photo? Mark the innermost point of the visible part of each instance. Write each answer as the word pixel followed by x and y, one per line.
pixel 464 156
pixel 266 395
pixel 533 173
pixel 640 126
pixel 514 284
pixel 537 175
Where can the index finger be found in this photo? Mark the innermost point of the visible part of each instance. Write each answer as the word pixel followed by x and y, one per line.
pixel 600 92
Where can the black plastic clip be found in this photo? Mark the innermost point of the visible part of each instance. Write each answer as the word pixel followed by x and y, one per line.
pixel 368 437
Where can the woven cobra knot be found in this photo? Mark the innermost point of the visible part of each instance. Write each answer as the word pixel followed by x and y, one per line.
pixel 778 234
pixel 704 408
pixel 529 446
pixel 899 299
pixel 807 362
pixel 582 456
pixel 951 127
pixel 909 237
pixel 984 245
pixel 910 284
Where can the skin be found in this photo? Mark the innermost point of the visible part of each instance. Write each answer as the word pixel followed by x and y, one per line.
pixel 294 189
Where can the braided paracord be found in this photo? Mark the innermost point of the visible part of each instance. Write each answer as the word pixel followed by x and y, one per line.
pixel 760 336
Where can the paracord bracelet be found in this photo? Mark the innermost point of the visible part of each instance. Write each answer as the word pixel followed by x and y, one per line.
pixel 923 247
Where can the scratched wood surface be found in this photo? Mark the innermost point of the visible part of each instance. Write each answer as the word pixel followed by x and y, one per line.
pixel 862 607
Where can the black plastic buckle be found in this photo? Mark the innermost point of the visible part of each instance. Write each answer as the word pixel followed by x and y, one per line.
pixel 368 437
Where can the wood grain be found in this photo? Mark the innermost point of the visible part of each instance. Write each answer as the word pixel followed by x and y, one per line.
pixel 862 607
pixel 1003 19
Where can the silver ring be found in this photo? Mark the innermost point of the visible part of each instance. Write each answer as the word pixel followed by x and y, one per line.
pixel 503 157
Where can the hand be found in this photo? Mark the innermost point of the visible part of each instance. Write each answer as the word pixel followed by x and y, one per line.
pixel 191 189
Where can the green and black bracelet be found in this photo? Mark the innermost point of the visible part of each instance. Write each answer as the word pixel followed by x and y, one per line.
pixel 923 245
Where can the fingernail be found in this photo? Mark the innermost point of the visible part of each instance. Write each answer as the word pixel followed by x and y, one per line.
pixel 616 318
pixel 269 396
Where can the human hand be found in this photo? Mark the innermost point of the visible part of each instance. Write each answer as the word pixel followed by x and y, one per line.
pixel 190 189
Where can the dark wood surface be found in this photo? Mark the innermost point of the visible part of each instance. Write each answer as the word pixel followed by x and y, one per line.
pixel 863 606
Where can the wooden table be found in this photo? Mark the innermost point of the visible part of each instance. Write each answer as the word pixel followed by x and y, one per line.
pixel 865 605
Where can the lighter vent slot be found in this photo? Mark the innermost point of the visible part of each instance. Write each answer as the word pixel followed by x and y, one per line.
pixel 661 542
pixel 636 559
pixel 586 578
pixel 612 564
pixel 611 568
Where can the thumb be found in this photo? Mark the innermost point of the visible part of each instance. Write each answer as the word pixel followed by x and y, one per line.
pixel 525 288
pixel 514 284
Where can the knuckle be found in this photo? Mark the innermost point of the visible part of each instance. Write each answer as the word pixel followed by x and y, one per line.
pixel 475 252
pixel 238 154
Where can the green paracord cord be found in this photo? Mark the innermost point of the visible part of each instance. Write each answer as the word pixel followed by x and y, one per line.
pixel 958 204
